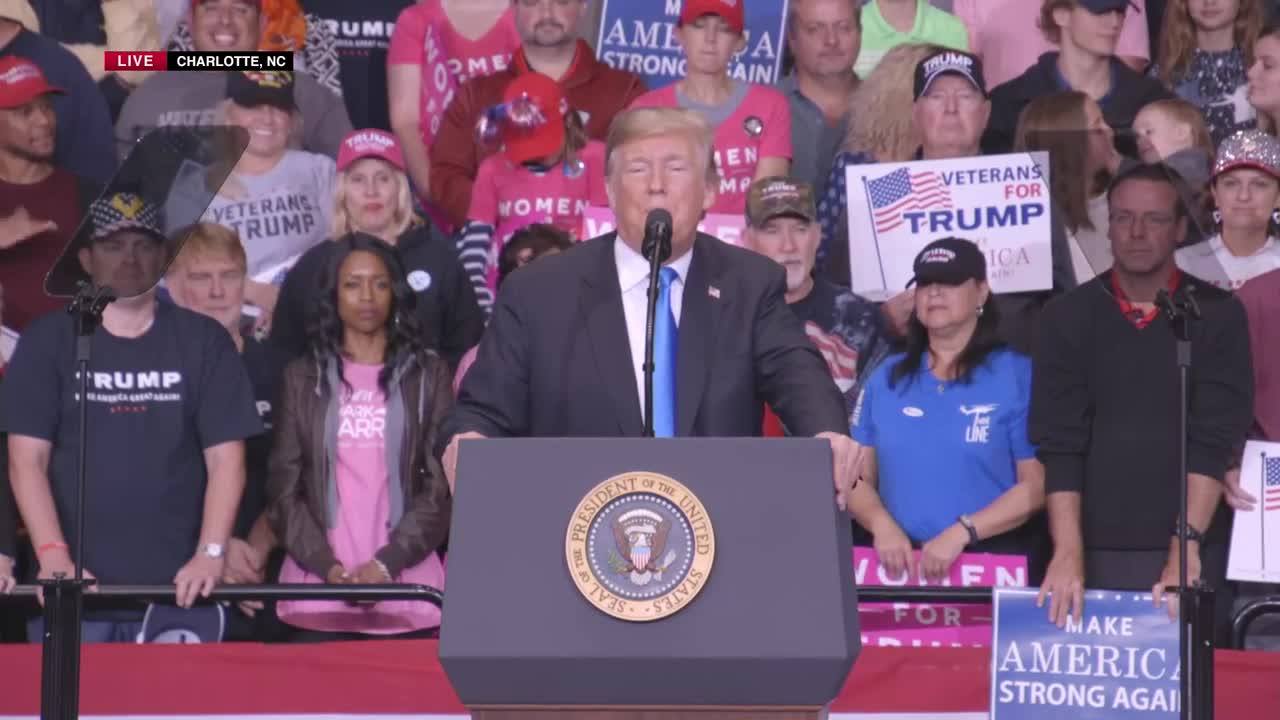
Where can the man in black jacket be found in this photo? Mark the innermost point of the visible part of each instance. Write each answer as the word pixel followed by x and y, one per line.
pixel 1086 33
pixel 1105 413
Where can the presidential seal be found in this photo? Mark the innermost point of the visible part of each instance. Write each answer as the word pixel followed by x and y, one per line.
pixel 640 546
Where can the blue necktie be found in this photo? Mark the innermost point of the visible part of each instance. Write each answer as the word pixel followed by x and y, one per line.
pixel 665 341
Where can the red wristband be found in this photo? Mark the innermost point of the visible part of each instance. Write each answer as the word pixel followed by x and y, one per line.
pixel 51 546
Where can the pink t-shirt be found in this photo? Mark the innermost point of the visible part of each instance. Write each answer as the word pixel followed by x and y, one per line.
pixel 1005 34
pixel 759 127
pixel 509 197
pixel 465 58
pixel 364 511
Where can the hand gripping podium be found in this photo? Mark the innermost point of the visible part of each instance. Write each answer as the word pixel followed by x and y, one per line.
pixel 647 579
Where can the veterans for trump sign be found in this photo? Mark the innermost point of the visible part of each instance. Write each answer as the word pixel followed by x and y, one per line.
pixel 1119 660
pixel 639 36
pixel 1001 202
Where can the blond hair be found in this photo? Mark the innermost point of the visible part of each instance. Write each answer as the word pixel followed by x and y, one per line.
pixel 881 106
pixel 1178 37
pixel 644 123
pixel 1181 111
pixel 402 219
pixel 209 239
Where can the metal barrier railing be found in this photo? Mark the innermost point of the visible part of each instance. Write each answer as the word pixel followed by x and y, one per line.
pixel 235 593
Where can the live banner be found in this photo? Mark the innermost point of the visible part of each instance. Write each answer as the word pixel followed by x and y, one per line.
pixel 728 228
pixel 639 36
pixel 1255 534
pixel 1119 661
pixel 933 625
pixel 1001 202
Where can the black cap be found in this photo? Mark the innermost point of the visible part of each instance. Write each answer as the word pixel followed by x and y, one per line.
pixel 949 62
pixel 949 261
pixel 254 88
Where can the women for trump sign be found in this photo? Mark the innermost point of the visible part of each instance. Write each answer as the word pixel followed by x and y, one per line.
pixel 1001 202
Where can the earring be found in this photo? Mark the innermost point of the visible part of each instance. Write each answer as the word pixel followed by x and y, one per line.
pixel 1216 216
pixel 981 309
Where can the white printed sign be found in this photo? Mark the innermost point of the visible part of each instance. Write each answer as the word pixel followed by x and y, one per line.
pixel 1255 534
pixel 1001 202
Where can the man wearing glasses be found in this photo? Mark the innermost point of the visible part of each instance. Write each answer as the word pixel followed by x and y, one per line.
pixel 1105 411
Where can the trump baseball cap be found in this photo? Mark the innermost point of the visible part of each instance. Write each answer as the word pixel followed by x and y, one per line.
pixel 534 125
pixel 370 143
pixel 774 197
pixel 949 261
pixel 21 82
pixel 731 10
pixel 949 62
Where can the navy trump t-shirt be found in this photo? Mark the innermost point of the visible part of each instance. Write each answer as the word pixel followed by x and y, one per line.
pixel 156 402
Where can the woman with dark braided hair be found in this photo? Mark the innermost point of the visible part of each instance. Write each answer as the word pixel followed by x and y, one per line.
pixel 355 493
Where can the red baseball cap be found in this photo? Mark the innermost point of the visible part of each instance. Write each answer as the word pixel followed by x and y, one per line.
pixel 528 138
pixel 730 10
pixel 21 82
pixel 370 143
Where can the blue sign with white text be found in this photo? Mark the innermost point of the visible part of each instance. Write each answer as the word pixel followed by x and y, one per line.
pixel 1119 661
pixel 639 36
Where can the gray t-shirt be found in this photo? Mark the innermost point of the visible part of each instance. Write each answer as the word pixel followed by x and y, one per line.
pixel 279 215
pixel 190 99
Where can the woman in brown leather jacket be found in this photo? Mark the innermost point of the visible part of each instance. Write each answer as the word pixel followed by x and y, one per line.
pixel 355 493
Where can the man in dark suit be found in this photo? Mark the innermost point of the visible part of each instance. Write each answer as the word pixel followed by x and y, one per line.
pixel 563 352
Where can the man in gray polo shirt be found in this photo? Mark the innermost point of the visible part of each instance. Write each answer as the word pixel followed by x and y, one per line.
pixel 824 37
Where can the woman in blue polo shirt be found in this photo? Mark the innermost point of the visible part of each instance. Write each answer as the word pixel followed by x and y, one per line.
pixel 946 463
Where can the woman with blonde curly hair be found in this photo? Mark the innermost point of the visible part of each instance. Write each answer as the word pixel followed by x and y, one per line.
pixel 1205 51
pixel 372 196
pixel 880 130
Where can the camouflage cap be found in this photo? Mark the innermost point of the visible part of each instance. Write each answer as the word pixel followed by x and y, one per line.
pixel 773 197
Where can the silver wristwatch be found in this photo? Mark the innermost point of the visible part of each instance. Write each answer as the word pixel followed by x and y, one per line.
pixel 213 550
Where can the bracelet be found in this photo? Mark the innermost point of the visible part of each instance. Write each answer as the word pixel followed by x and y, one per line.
pixel 51 546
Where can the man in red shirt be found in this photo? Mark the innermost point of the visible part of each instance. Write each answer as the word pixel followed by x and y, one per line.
pixel 40 204
pixel 549 45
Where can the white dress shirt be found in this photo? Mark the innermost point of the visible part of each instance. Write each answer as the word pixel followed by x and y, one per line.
pixel 633 279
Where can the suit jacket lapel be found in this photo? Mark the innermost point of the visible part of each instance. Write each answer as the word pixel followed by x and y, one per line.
pixel 606 325
pixel 700 313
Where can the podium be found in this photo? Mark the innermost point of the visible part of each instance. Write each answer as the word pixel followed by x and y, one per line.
pixel 648 579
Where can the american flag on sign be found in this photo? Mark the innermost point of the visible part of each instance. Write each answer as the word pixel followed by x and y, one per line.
pixel 901 191
pixel 1271 484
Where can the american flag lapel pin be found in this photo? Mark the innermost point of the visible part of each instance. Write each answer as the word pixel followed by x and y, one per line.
pixel 713 292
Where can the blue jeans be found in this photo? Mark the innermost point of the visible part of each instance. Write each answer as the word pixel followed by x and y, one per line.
pixel 93 631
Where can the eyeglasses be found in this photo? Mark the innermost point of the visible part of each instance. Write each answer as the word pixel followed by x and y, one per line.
pixel 1153 220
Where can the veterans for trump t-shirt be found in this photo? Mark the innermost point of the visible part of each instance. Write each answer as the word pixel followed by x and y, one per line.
pixel 754 123
pixel 280 214
pixel 509 197
pixel 155 404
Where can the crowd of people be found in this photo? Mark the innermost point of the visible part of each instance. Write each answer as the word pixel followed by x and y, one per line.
pixel 392 267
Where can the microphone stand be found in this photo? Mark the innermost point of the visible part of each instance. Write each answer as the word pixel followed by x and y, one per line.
pixel 1195 603
pixel 655 265
pixel 63 596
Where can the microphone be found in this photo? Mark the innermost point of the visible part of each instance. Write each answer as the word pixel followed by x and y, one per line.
pixel 656 248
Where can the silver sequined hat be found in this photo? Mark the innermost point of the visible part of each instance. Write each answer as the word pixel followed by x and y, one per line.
pixel 1248 148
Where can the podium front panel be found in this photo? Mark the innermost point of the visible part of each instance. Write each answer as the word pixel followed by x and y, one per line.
pixel 774 623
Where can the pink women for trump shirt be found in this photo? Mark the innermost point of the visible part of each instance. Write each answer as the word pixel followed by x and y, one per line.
pixel 464 57
pixel 362 527
pixel 508 197
pixel 755 123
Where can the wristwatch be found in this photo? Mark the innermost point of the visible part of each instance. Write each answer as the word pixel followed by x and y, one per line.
pixel 213 550
pixel 1193 535
pixel 967 523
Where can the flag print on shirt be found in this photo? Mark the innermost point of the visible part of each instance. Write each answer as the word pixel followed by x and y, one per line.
pixel 842 360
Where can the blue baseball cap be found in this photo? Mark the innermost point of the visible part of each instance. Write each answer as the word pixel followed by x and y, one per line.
pixel 1097 7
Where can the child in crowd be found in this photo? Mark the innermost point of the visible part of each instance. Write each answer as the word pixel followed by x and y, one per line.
pixel 1174 132
pixel 548 173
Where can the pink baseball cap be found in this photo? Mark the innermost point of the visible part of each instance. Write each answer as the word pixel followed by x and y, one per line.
pixel 370 143
pixel 21 82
